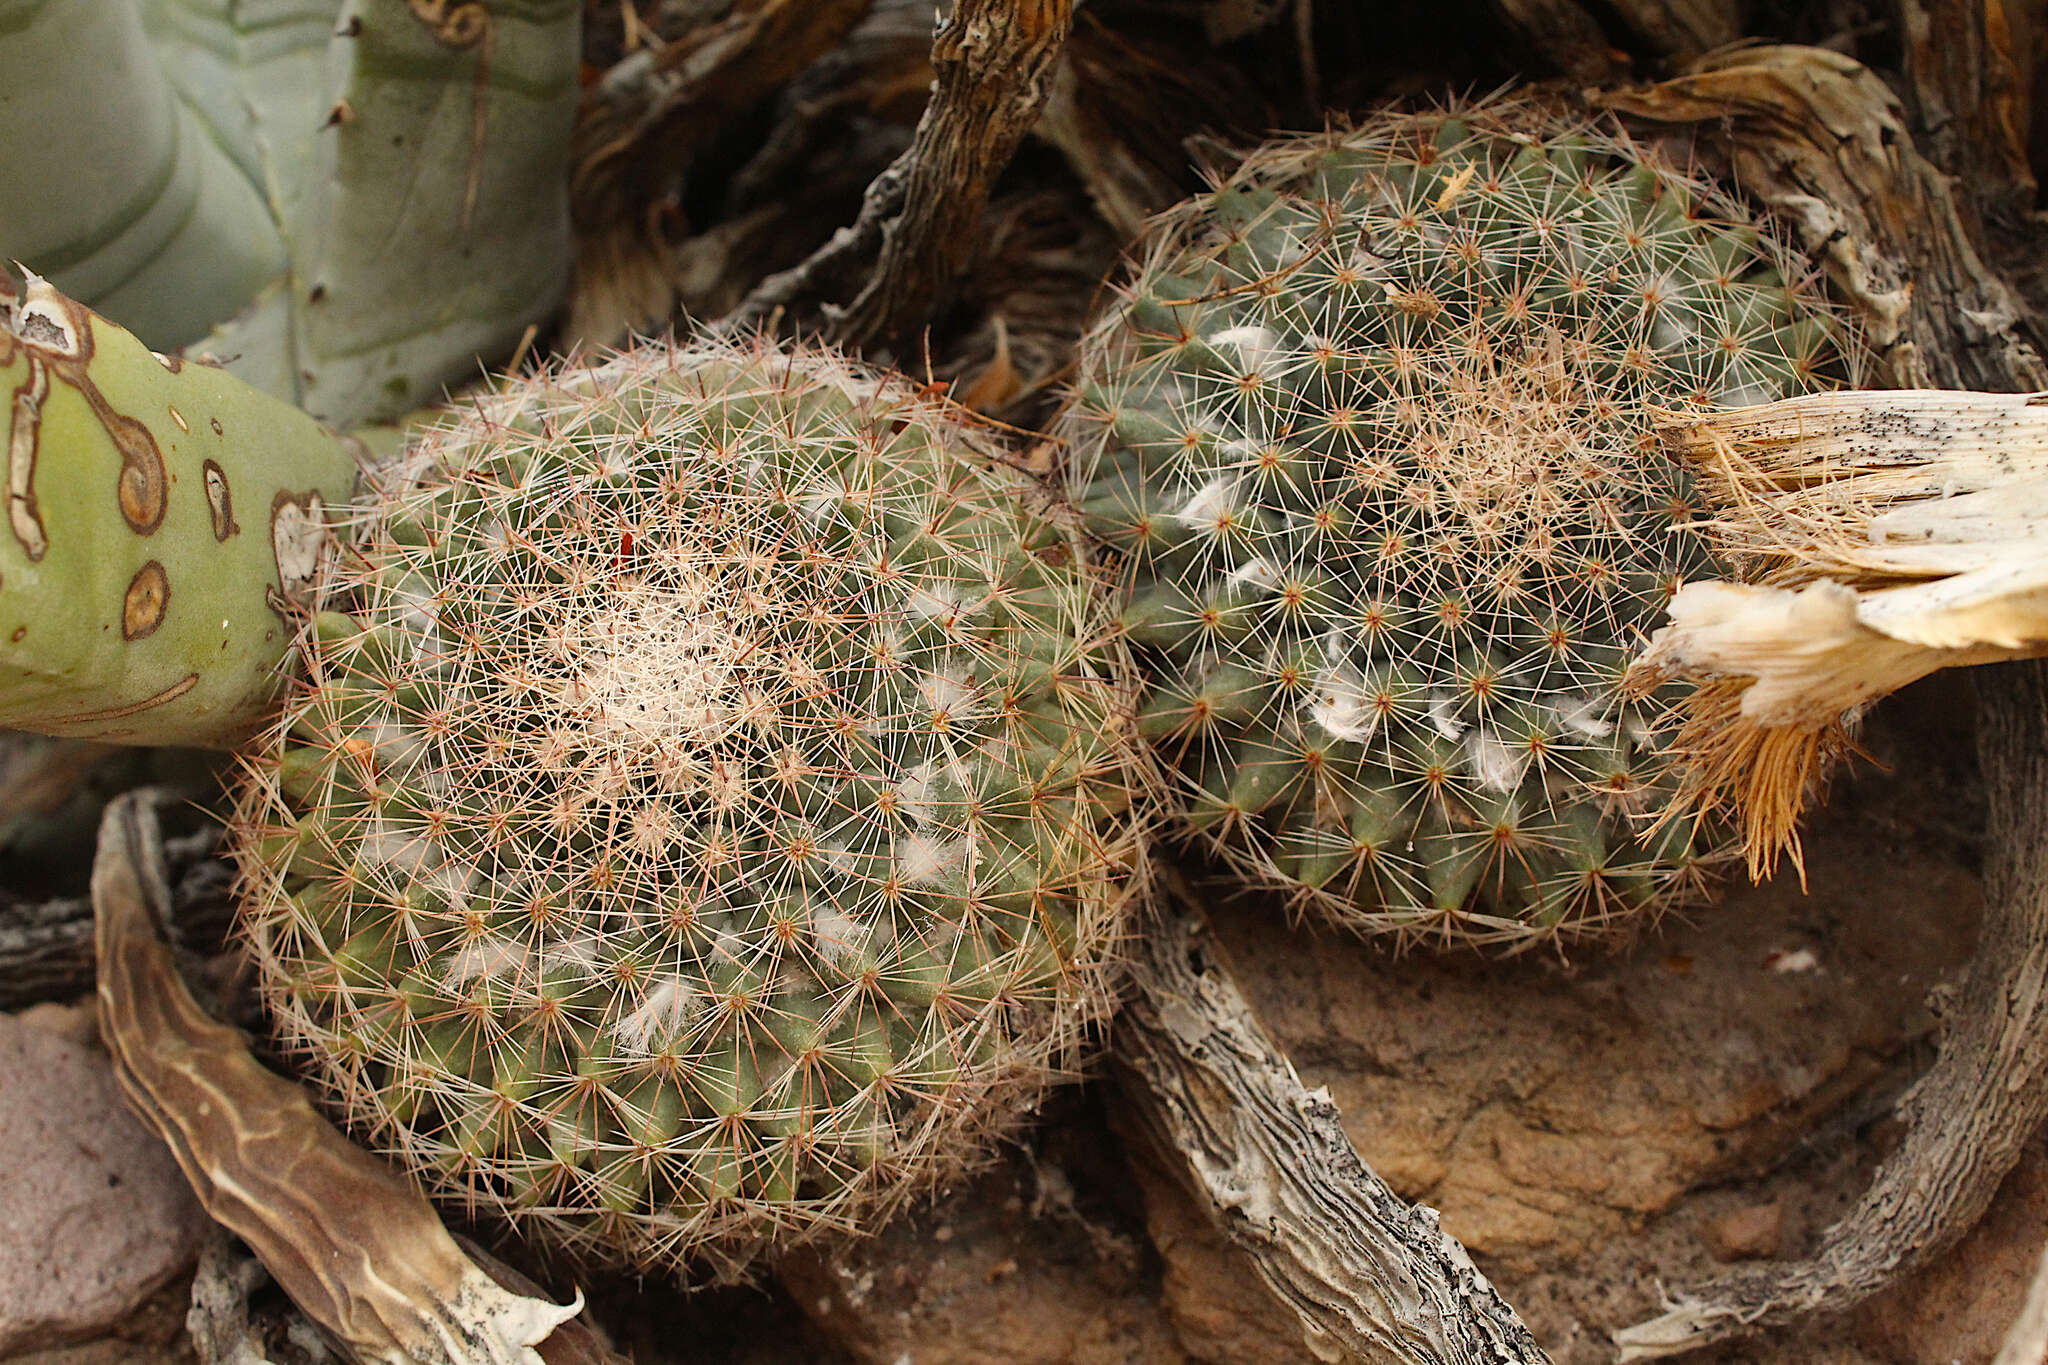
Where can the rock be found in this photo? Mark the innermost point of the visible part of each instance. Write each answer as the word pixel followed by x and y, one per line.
pixel 94 1214
pixel 77 1020
pixel 1596 1127
pixel 153 1334
pixel 1751 1233
pixel 1549 1108
pixel 1221 1311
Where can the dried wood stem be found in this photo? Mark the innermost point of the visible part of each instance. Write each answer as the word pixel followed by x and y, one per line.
pixel 46 950
pixel 359 1250
pixel 1967 72
pixel 1371 1277
pixel 1823 142
pixel 642 126
pixel 821 272
pixel 993 61
pixel 1970 1117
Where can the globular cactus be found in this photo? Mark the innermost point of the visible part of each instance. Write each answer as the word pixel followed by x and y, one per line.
pixel 707 810
pixel 1369 430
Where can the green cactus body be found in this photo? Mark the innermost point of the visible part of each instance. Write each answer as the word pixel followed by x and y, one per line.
pixel 159 516
pixel 113 190
pixel 425 202
pixel 1368 432
pixel 709 809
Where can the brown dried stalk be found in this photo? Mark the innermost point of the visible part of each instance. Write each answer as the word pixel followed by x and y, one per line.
pixel 1886 534
pixel 643 124
pixel 358 1249
pixel 1371 1277
pixel 993 62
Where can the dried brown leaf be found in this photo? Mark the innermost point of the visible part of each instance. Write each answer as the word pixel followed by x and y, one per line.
pixel 358 1249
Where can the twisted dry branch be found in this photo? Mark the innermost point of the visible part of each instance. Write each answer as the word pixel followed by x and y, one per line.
pixel 1371 1277
pixel 993 60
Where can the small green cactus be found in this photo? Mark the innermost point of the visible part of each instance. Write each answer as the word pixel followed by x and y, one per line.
pixel 1368 430
pixel 707 808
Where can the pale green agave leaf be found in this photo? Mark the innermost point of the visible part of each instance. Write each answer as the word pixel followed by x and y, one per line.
pixel 138 210
pixel 350 202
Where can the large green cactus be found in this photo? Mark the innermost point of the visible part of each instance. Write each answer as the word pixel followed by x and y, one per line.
pixel 1368 428
pixel 348 201
pixel 709 816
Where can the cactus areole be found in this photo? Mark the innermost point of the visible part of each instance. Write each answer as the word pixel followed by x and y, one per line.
pixel 162 519
pixel 707 808
pixel 1369 431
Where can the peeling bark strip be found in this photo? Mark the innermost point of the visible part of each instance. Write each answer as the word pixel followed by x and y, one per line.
pixel 1373 1278
pixel 356 1247
pixel 994 61
pixel 1883 534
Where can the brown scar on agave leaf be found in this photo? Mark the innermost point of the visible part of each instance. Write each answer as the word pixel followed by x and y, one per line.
pixel 359 1250
pixel 1884 535
pixel 58 332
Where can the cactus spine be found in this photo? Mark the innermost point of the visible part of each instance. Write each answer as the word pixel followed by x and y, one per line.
pixel 706 810
pixel 1368 430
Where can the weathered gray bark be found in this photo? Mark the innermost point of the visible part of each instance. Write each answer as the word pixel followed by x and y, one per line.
pixel 1371 1277
pixel 1972 1114
pixel 1821 141
pixel 353 1243
pixel 993 62
pixel 46 947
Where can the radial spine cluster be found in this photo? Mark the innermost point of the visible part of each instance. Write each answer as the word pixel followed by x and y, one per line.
pixel 709 809
pixel 1368 431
